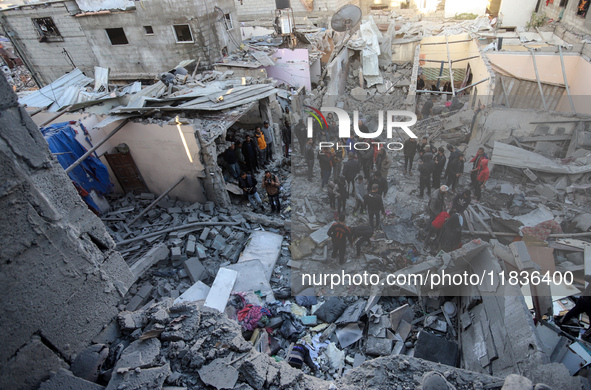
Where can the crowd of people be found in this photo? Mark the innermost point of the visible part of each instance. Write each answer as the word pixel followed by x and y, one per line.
pixel 244 160
pixel 355 179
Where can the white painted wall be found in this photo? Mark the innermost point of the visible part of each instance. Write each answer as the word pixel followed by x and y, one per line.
pixel 158 152
pixel 516 13
pixel 453 7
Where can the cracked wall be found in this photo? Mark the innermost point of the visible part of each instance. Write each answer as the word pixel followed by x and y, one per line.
pixel 60 277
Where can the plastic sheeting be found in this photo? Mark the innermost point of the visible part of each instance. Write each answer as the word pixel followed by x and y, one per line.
pixel 91 174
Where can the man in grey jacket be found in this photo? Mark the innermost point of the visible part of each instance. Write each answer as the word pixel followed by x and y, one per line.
pixel 269 138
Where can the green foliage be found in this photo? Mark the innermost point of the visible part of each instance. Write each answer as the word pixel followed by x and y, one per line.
pixel 536 20
pixel 465 16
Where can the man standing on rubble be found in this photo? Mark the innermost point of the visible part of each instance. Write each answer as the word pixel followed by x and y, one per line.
pixel 456 169
pixel 350 170
pixel 272 186
pixel 262 145
pixel 383 163
pixel 410 149
pixel 361 235
pixel 440 160
pixel 476 163
pixel 269 139
pixel 249 150
pixel 340 233
pixel 427 110
pixel 481 178
pixel 425 171
pixel 454 154
pixel 365 157
pixel 377 178
pixel 375 206
pixel 231 159
pixel 325 163
pixel 309 156
pixel 248 184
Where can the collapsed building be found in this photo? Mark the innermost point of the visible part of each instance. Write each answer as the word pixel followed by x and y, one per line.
pixel 182 286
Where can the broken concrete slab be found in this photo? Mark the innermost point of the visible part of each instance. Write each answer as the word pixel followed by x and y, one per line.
pixel 195 270
pixel 196 292
pixel 521 254
pixel 321 235
pixel 221 288
pixel 219 374
pixel 251 277
pixel 404 329
pixel 140 353
pixel 436 349
pixel 65 380
pixel 19 373
pixel 151 378
pixel 265 247
pixel 158 253
pixel 87 364
pixel 403 312
pixel 349 334
pixel 378 347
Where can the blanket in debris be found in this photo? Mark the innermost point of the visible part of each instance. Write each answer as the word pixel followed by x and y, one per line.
pixel 91 174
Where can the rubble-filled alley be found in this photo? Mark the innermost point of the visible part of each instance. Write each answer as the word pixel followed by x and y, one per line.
pixel 195 196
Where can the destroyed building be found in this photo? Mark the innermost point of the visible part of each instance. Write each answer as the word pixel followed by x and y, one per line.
pixel 130 37
pixel 157 274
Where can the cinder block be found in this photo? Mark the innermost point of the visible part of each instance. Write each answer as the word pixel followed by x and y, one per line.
pixel 195 270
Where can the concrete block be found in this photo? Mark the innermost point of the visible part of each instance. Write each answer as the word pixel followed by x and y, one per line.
pixel 150 378
pixel 209 207
pixel 196 292
pixel 157 253
pixel 221 288
pixel 88 363
pixel 251 277
pixel 134 303
pixel 378 347
pixel 204 234
pixel 195 270
pixel 65 380
pixel 218 243
pixel 190 247
pixel 201 251
pixel 175 253
pixel 521 254
pixel 174 210
pixel 227 231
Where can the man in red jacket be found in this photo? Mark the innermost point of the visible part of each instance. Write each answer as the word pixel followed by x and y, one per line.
pixel 482 178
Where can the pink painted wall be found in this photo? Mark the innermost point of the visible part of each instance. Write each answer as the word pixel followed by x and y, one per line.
pixel 292 67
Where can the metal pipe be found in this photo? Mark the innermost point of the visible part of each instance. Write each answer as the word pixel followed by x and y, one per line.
pixel 538 79
pixel 570 98
pixel 440 43
pixel 67 109
pixel 465 59
pixel 471 85
pixel 451 72
pixel 95 147
pixel 144 211
pixel 176 228
pixel 505 234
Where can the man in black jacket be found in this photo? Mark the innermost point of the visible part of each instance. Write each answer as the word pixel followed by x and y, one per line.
pixel 309 154
pixel 377 178
pixel 454 154
pixel 455 171
pixel 350 171
pixel 410 149
pixel 440 160
pixel 375 206
pixel 249 151
pixel 340 233
pixel 461 201
pixel 325 163
pixel 248 184
pixel 425 171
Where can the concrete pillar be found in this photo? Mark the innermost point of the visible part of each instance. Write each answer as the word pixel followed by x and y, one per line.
pixel 214 183
pixel 61 278
pixel 271 111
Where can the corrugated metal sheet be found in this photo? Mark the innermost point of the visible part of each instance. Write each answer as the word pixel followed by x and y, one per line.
pixel 53 92
pixel 525 94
